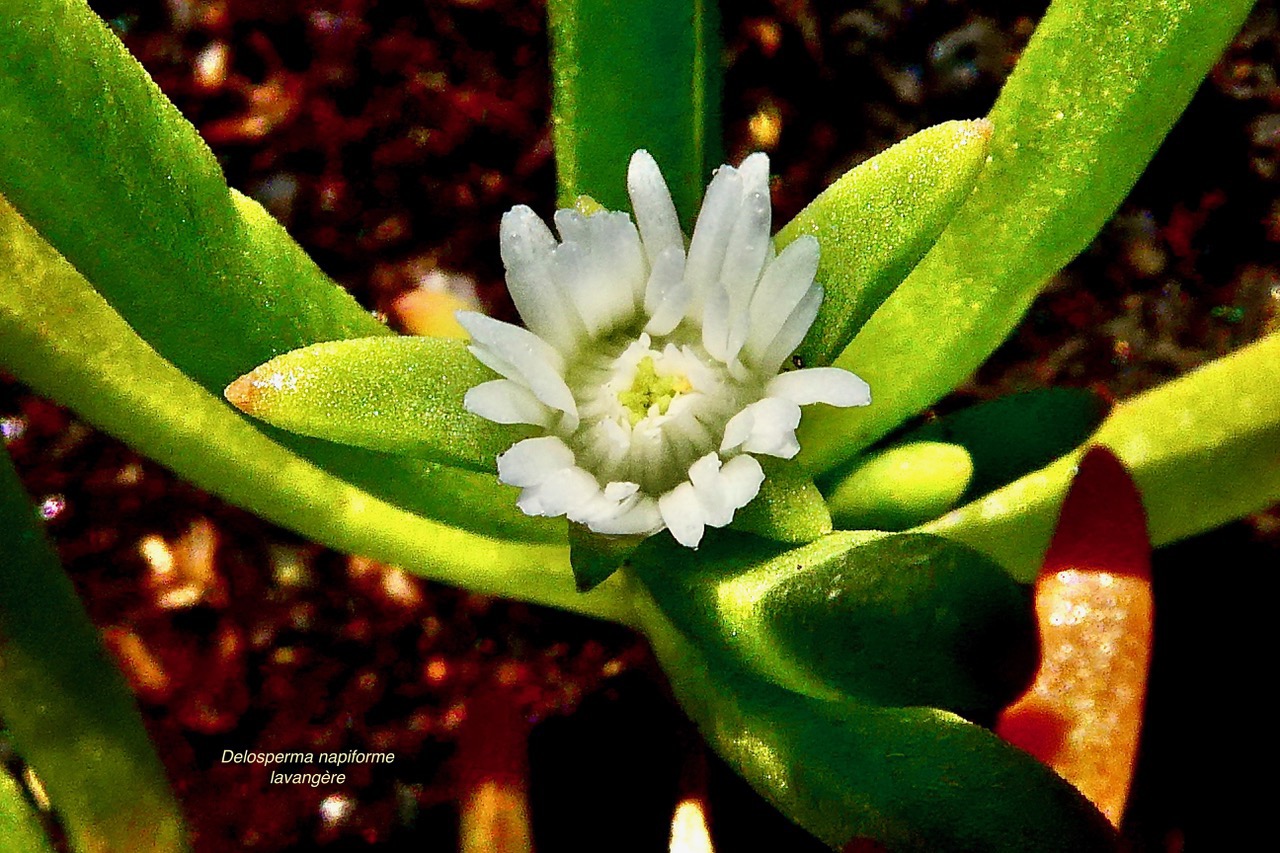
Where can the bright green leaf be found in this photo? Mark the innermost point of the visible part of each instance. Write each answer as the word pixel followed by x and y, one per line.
pixel 1204 449
pixel 400 395
pixel 789 507
pixel 876 223
pixel 20 829
pixel 901 486
pixel 632 74
pixel 1094 93
pixel 66 706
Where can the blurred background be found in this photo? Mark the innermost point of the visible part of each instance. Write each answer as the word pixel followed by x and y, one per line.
pixel 389 138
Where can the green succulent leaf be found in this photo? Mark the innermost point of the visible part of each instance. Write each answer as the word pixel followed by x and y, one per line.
pixel 65 705
pixel 789 507
pixel 970 452
pixel 892 619
pixel 877 222
pixel 595 557
pixel 20 829
pixel 901 486
pixel 59 336
pixel 400 395
pixel 1204 449
pixel 1094 93
pixel 631 75
pixel 912 779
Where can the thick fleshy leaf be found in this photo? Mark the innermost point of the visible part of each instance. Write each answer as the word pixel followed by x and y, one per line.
pixel 1204 449
pixel 1083 714
pixel 877 222
pixel 87 357
pixel 595 557
pixel 68 710
pixel 912 779
pixel 1094 93
pixel 630 75
pixel 789 507
pixel 108 171
pixel 399 395
pixel 893 619
pixel 901 486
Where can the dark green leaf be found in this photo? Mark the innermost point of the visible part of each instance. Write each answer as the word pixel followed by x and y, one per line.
pixel 595 557
pixel 68 710
pixel 897 620
pixel 913 779
pixel 632 74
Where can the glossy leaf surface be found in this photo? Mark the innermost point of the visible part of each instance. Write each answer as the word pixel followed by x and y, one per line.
pixel 68 710
pixel 631 74
pixel 913 779
pixel 877 221
pixel 789 507
pixel 1094 93
pixel 897 620
pixel 396 394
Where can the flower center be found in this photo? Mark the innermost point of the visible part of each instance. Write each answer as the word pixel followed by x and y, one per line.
pixel 650 409
pixel 651 393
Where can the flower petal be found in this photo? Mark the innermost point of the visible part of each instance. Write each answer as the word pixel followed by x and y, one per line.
pixel 792 332
pixel 532 461
pixel 506 402
pixel 711 236
pixel 521 355
pixel 682 513
pixel 785 282
pixel 667 293
pixel 561 493
pixel 526 244
pixel 655 211
pixel 766 426
pixel 830 385
pixel 601 267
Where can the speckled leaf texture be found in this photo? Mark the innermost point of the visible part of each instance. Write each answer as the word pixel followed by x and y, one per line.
pixel 63 701
pixel 399 395
pixel 20 829
pixel 1096 90
pixel 877 221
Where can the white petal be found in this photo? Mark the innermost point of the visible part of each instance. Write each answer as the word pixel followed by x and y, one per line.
pixel 682 513
pixel 711 236
pixel 561 493
pixel 620 491
pixel 600 266
pixel 755 173
pixel 521 355
pixel 792 332
pixel 829 385
pixel 766 426
pixel 744 260
pixel 655 212
pixel 530 462
pixel 784 283
pixel 667 293
pixel 740 481
pixel 640 516
pixel 705 477
pixel 505 402
pixel 526 244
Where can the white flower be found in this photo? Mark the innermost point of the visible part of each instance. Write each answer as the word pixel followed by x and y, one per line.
pixel 653 371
